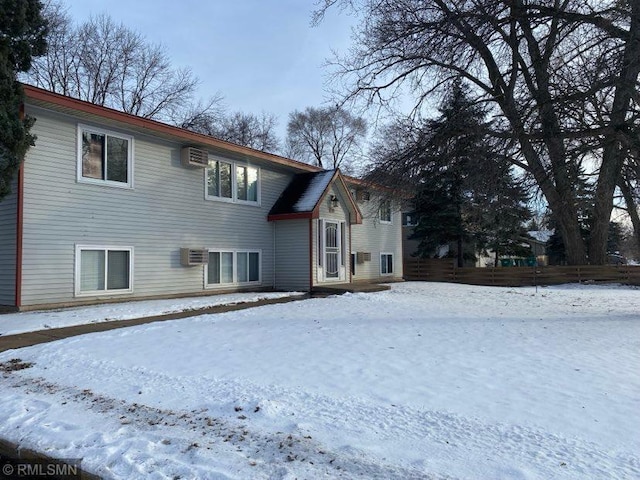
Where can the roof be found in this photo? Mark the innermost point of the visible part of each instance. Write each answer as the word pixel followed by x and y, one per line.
pixel 302 197
pixel 61 103
pixel 303 193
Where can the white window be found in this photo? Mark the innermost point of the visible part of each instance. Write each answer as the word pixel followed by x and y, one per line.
pixel 233 268
pixel 247 184
pixel 232 182
pixel 219 180
pixel 409 220
pixel 220 268
pixel 104 157
pixel 386 264
pixel 101 270
pixel 385 211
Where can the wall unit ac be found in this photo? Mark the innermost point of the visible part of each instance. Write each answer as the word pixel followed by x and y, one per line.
pixel 195 157
pixel 362 257
pixel 194 256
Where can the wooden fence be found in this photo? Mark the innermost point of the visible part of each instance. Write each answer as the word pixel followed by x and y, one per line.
pixel 444 270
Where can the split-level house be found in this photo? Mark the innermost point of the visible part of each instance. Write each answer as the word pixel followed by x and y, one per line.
pixel 109 206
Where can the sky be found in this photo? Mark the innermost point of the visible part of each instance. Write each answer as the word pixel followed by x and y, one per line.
pixel 259 55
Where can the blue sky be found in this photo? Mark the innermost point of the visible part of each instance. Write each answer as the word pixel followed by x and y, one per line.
pixel 260 55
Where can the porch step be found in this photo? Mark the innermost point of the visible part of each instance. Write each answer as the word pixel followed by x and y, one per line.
pixel 340 288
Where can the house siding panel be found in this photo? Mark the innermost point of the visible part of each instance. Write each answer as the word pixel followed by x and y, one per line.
pixel 8 226
pixel 376 238
pixel 292 254
pixel 166 210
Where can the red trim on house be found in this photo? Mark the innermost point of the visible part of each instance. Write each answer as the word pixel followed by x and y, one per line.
pixel 290 216
pixel 38 94
pixel 353 203
pixel 315 213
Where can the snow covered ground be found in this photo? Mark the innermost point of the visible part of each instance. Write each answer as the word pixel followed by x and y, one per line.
pixel 14 323
pixel 424 381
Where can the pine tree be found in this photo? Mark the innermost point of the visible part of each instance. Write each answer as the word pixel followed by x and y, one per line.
pixel 22 37
pixel 467 193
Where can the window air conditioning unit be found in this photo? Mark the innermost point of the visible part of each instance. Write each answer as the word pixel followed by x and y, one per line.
pixel 194 256
pixel 195 157
pixel 362 257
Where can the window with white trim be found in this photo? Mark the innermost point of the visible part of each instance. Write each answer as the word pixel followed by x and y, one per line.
pixel 232 182
pixel 386 263
pixel 246 183
pixel 385 211
pixel 219 180
pixel 220 268
pixel 233 267
pixel 104 157
pixel 101 270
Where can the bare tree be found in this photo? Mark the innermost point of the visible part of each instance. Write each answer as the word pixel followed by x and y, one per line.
pixel 249 130
pixel 328 137
pixel 629 185
pixel 546 68
pixel 108 64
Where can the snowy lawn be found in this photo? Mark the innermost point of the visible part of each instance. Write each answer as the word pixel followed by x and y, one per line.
pixel 14 323
pixel 427 380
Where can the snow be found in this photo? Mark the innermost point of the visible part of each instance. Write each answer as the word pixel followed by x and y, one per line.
pixel 426 380
pixel 15 323
pixel 316 188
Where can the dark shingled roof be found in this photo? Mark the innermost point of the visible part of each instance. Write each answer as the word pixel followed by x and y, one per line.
pixel 303 193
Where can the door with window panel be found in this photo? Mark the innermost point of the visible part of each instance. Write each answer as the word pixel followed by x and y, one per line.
pixel 332 250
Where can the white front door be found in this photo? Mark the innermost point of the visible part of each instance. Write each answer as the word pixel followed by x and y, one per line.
pixel 331 264
pixel 332 250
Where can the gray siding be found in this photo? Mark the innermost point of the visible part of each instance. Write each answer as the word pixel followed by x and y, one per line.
pixel 376 238
pixel 8 226
pixel 166 210
pixel 292 254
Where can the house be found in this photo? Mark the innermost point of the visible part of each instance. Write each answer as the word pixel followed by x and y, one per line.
pixel 112 207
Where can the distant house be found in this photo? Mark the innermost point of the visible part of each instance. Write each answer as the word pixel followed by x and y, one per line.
pixel 534 240
pixel 110 207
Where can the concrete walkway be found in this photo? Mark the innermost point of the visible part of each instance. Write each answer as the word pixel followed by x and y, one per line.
pixel 13 454
pixel 27 339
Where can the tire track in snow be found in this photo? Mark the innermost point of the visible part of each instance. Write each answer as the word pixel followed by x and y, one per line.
pixel 272 454
pixel 439 435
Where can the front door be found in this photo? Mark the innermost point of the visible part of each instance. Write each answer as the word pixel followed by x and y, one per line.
pixel 331 254
pixel 332 250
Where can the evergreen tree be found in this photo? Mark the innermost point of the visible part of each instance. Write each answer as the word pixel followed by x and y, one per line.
pixel 507 213
pixel 22 37
pixel 467 193
pixel 616 237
